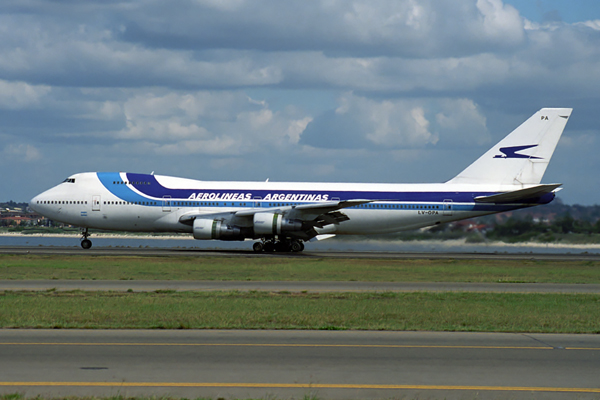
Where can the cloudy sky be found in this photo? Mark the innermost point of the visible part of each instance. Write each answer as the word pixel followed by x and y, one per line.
pixel 330 90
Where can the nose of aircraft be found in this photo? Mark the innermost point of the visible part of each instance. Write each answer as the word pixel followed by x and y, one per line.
pixel 33 203
pixel 37 203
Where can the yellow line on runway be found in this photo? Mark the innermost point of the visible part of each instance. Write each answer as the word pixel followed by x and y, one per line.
pixel 582 348
pixel 385 346
pixel 305 386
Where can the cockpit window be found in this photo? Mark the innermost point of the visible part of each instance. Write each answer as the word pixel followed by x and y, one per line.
pixel 69 180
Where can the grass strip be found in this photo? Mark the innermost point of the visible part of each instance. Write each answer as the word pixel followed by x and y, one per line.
pixel 18 396
pixel 297 269
pixel 482 312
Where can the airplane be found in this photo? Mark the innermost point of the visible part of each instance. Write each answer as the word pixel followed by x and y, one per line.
pixel 282 216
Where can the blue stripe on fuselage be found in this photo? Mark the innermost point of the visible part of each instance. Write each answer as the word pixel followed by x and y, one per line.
pixel 149 186
pixel 156 190
pixel 120 190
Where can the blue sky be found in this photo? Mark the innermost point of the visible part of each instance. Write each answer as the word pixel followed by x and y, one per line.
pixel 561 10
pixel 332 90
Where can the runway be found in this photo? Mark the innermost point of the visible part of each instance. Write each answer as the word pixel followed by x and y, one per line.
pixel 293 286
pixel 181 252
pixel 284 364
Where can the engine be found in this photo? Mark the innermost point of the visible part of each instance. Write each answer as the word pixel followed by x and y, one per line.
pixel 274 224
pixel 206 229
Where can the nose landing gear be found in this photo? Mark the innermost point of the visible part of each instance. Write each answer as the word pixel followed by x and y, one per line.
pixel 85 242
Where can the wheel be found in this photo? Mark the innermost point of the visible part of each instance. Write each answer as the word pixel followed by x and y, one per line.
pixel 258 247
pixel 295 246
pixel 86 243
pixel 301 246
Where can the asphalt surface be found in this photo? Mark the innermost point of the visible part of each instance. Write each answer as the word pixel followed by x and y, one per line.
pixel 180 252
pixel 284 364
pixel 290 286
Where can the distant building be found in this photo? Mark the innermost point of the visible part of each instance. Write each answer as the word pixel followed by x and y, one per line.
pixel 19 217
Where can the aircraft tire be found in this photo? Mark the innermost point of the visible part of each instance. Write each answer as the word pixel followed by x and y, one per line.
pixel 295 246
pixel 258 247
pixel 86 243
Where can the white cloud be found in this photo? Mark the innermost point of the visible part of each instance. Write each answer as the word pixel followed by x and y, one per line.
pixel 501 22
pixel 295 129
pixel 19 95
pixel 394 124
pixel 225 5
pixel 383 46
pixel 110 110
pixel 360 122
pixel 594 24
pixel 366 27
pixel 222 145
pixel 462 122
pixel 217 123
pixel 59 52
pixel 25 152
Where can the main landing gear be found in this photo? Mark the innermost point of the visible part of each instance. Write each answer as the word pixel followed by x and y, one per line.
pixel 292 246
pixel 85 242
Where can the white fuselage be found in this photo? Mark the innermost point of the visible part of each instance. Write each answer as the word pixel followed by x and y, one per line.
pixel 152 203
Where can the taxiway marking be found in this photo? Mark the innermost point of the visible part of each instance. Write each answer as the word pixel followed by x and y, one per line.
pixel 391 346
pixel 307 386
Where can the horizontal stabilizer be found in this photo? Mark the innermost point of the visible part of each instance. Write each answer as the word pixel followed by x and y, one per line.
pixel 519 195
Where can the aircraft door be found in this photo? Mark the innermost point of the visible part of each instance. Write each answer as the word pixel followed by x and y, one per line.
pixel 166 206
pixel 447 207
pixel 95 203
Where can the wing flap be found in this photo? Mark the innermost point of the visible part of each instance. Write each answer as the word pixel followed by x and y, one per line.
pixel 321 237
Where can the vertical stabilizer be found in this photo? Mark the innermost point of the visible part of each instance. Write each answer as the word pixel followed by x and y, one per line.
pixel 521 158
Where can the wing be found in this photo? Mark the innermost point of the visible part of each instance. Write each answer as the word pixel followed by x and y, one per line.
pixel 311 216
pixel 307 209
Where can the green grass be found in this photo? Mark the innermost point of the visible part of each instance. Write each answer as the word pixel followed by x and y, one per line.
pixel 482 312
pixel 485 312
pixel 18 396
pixel 296 269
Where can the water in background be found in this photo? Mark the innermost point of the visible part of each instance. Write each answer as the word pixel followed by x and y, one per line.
pixel 334 244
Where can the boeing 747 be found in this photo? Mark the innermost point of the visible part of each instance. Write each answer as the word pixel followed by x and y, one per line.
pixel 282 216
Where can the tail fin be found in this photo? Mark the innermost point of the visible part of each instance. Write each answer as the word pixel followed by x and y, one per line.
pixel 521 158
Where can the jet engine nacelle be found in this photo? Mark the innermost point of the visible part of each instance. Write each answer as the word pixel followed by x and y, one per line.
pixel 274 224
pixel 206 229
